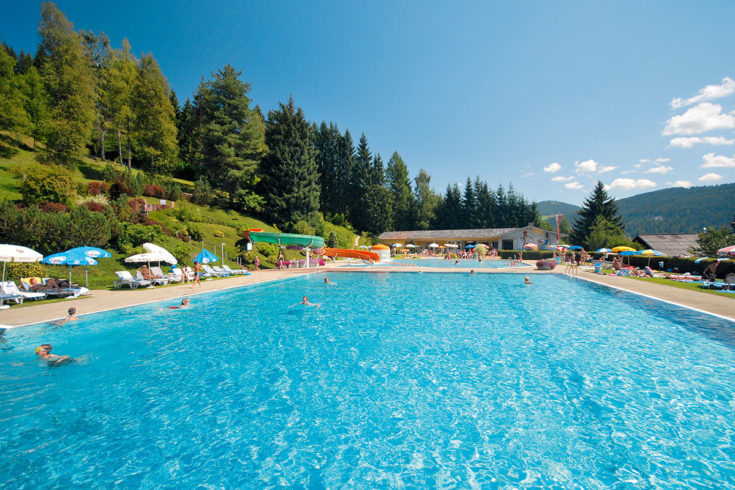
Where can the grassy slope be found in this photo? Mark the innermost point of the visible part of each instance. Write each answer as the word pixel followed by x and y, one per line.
pixel 682 285
pixel 211 221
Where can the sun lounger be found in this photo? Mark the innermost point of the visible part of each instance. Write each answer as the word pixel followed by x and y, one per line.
pixel 159 278
pixel 50 291
pixel 124 278
pixel 211 271
pixel 11 288
pixel 222 273
pixel 11 297
pixel 233 272
pixel 176 275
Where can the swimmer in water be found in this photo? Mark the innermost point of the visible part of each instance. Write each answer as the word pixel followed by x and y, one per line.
pixel 328 282
pixel 72 316
pixel 305 301
pixel 472 272
pixel 44 352
pixel 184 303
pixel 527 280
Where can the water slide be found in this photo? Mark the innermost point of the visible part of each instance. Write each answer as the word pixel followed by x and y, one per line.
pixel 351 254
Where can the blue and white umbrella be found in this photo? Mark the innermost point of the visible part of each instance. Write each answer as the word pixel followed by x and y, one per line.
pixel 206 257
pixel 94 252
pixel 470 246
pixel 574 247
pixel 603 250
pixel 70 258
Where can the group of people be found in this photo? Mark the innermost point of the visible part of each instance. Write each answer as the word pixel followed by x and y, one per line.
pixel 148 275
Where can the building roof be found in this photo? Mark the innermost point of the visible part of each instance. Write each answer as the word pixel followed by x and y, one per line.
pixel 670 244
pixel 451 235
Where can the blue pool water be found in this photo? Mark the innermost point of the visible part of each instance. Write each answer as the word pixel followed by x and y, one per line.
pixel 421 380
pixel 451 264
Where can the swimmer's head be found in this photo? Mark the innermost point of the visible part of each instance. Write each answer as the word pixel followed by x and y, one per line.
pixel 43 348
pixel 305 298
pixel 72 310
pixel 185 301
pixel 527 279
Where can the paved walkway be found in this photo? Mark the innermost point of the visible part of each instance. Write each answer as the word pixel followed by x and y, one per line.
pixel 103 300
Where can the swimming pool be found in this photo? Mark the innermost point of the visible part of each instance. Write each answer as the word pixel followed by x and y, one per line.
pixel 453 263
pixel 397 379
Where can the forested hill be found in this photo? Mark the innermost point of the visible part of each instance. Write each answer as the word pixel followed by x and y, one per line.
pixel 678 210
pixel 674 210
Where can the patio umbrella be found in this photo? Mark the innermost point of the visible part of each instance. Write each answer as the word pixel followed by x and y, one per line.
pixel 95 253
pixel 603 250
pixel 701 259
pixel 433 245
pixel 397 245
pixel 205 257
pixel 165 255
pixel 651 253
pixel 726 252
pixel 470 246
pixel 70 258
pixel 411 245
pixel 623 249
pixel 530 246
pixel 575 247
pixel 628 253
pixel 451 245
pixel 17 253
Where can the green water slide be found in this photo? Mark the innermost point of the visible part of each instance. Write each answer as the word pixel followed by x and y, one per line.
pixel 287 239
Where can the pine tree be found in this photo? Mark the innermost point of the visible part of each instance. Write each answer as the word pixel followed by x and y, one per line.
pixel 359 185
pixel 290 177
pixel 468 217
pixel 12 113
pixel 598 204
pixel 154 125
pixel 96 49
pixel 427 201
pixel 232 137
pixel 68 80
pixel 118 84
pixel 326 143
pixel 188 135
pixel 449 212
pixel 377 200
pixel 35 102
pixel 403 199
pixel 345 163
pixel 486 207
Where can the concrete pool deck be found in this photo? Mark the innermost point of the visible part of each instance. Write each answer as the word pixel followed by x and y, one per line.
pixel 104 300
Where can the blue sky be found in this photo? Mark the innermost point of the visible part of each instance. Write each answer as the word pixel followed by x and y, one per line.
pixel 548 96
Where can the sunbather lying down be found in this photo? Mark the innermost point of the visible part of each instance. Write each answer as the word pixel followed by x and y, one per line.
pixel 51 285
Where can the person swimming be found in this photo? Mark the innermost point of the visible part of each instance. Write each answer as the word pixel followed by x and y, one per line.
pixel 305 301
pixel 527 280
pixel 72 316
pixel 328 282
pixel 43 351
pixel 184 303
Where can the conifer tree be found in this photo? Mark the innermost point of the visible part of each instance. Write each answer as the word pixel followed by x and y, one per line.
pixel 232 137
pixel 188 135
pixel 359 185
pixel 35 102
pixel 377 200
pixel 486 208
pixel 96 48
pixel 12 114
pixel 154 118
pixel 327 142
pixel 68 80
pixel 468 216
pixel 597 204
pixel 403 199
pixel 345 162
pixel 118 84
pixel 450 210
pixel 290 177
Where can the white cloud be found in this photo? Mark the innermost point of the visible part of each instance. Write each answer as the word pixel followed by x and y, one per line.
pixel 586 166
pixel 560 178
pixel 552 168
pixel 680 183
pixel 717 161
pixel 710 177
pixel 643 160
pixel 699 119
pixel 573 185
pixel 609 168
pixel 526 175
pixel 628 184
pixel 663 160
pixel 661 169
pixel 727 87
pixel 691 141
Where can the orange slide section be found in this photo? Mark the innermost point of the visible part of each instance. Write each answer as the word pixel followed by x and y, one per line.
pixel 352 254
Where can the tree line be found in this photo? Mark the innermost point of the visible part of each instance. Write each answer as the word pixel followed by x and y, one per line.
pixel 79 96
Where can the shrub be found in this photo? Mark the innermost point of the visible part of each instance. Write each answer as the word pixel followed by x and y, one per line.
pixel 16 270
pixel 269 251
pixel 133 234
pixel 304 228
pixel 135 183
pixel 155 191
pixel 332 240
pixel 203 193
pixel 219 233
pixel 173 190
pixel 95 206
pixel 109 173
pixel 181 252
pixel 118 189
pixel 194 232
pixel 545 265
pixel 137 205
pixel 97 188
pixel 53 207
pixel 48 183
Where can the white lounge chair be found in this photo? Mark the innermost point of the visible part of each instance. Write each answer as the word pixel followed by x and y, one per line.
pixel 219 270
pixel 125 279
pixel 176 275
pixel 210 271
pixel 233 272
pixel 11 288
pixel 159 277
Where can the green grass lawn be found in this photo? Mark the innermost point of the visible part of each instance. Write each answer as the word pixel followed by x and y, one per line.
pixel 682 285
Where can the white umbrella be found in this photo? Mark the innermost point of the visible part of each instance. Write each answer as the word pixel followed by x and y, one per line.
pixel 165 255
pixel 397 245
pixel 433 245
pixel 17 253
pixel 451 245
pixel 411 245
